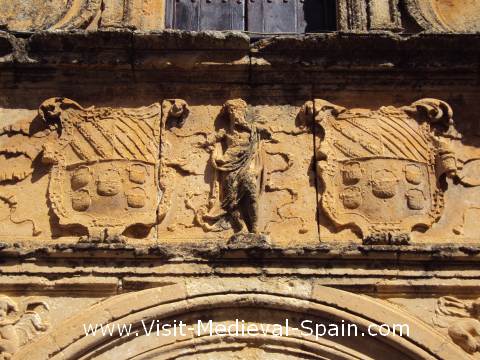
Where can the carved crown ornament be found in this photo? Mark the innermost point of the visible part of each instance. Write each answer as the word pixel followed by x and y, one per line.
pixel 113 172
pixel 380 171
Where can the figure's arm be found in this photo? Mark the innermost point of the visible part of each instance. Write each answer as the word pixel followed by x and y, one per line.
pixel 212 139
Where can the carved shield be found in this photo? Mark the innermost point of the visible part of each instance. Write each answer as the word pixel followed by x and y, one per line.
pixel 105 166
pixel 380 168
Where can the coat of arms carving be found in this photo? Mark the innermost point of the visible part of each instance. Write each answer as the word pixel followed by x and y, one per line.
pixel 381 170
pixel 105 165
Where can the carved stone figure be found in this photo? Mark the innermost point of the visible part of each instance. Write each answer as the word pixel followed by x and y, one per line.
pixel 238 159
pixel 105 165
pixel 465 330
pixel 381 169
pixel 18 324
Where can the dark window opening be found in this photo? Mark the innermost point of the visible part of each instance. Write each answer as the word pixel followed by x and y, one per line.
pixel 259 16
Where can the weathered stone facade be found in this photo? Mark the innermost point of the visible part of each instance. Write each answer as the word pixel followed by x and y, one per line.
pixel 155 174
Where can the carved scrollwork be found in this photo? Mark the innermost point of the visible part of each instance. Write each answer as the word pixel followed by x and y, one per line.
pixel 174 114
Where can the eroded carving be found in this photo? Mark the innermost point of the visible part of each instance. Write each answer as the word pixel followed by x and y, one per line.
pixel 462 318
pixel 174 115
pixel 55 14
pixel 381 169
pixel 19 323
pixel 238 168
pixel 105 162
pixel 81 14
pixel 11 202
pixel 237 157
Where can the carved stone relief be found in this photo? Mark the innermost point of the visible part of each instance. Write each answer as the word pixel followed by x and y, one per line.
pixel 238 162
pixel 381 171
pixel 19 323
pixel 103 164
pixel 174 172
pixel 462 318
pixel 21 15
pixel 253 302
pixel 235 174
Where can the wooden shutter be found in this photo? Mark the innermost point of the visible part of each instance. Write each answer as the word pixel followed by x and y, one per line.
pixel 206 14
pixel 264 16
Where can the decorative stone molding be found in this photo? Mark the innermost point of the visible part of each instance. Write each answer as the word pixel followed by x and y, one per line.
pixel 364 15
pixel 247 301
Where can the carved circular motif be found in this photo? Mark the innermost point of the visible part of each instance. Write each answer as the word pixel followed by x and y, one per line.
pixel 109 183
pixel 384 184
pixel 138 173
pixel 352 197
pixel 458 15
pixel 352 173
pixel 81 200
pixel 415 199
pixel 136 198
pixel 413 174
pixel 80 178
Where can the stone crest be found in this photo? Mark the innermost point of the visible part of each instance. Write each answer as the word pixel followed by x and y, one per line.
pixel 381 169
pixel 105 166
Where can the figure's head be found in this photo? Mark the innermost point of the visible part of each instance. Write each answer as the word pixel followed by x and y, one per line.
pixel 7 306
pixel 236 111
pixel 177 110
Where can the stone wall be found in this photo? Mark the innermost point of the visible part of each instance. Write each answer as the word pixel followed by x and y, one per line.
pixel 150 174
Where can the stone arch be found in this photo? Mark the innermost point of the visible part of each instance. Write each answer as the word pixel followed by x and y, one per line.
pixel 252 304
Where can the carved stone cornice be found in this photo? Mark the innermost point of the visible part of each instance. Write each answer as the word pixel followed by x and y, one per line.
pixel 175 56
